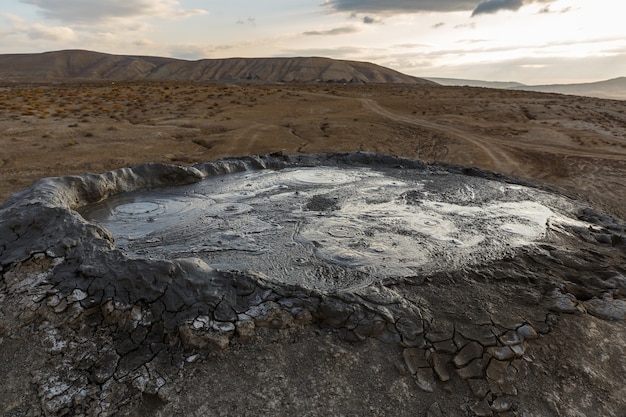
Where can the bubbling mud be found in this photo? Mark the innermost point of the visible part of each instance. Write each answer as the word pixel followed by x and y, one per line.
pixel 329 227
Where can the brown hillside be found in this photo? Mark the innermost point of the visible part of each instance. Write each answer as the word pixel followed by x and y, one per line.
pixel 74 64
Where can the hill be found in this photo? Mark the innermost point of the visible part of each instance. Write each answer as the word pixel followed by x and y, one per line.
pixel 88 65
pixel 473 83
pixel 611 89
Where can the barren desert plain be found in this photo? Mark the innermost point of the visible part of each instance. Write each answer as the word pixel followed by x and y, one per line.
pixel 572 144
pixel 539 332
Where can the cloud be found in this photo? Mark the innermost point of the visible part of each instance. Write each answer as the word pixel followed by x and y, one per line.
pixel 86 11
pixel 472 41
pixel 53 33
pixel 399 6
pixel 493 6
pixel 391 7
pixel 250 20
pixel 143 43
pixel 410 45
pixel 18 25
pixel 368 20
pixel 534 62
pixel 547 9
pixel 438 25
pixel 341 52
pixel 331 32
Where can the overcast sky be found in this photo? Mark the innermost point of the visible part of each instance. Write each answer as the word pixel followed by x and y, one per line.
pixel 530 41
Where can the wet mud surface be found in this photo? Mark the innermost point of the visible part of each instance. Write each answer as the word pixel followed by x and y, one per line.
pixel 464 291
pixel 357 226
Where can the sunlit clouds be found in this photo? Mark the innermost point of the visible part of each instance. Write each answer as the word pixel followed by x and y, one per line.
pixel 530 41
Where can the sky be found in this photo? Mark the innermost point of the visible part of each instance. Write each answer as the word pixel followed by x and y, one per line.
pixel 528 41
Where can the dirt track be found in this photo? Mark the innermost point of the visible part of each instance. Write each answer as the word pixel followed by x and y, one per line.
pixel 576 145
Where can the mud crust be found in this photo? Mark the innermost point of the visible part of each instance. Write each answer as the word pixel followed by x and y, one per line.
pixel 88 330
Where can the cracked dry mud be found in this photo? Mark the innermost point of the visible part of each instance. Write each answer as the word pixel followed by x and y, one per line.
pixel 329 284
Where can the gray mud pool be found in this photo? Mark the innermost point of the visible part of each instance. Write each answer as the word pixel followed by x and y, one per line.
pixel 330 227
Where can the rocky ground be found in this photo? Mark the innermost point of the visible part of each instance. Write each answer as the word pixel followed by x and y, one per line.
pixel 84 330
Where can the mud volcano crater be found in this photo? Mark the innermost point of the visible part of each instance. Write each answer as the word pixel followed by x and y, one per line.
pixel 331 227
pixel 126 275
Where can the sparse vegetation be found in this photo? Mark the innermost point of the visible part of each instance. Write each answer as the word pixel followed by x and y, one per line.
pixel 131 122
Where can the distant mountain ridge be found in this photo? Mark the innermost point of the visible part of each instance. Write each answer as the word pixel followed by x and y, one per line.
pixel 610 89
pixel 474 83
pixel 89 65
